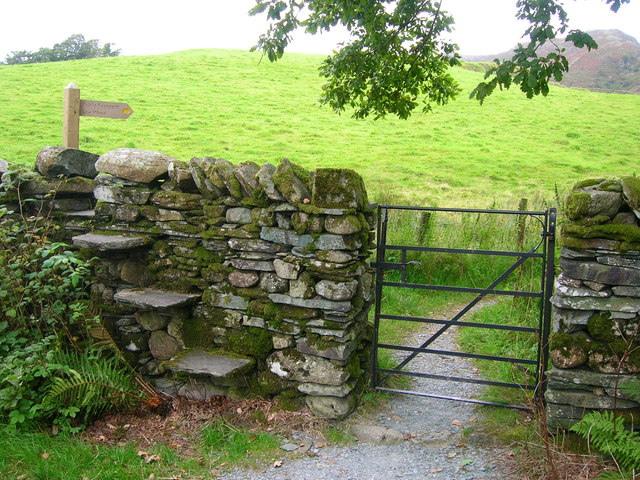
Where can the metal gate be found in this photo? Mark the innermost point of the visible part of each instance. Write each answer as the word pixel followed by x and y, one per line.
pixel 532 233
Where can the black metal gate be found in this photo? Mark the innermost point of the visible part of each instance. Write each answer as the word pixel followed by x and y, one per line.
pixel 532 241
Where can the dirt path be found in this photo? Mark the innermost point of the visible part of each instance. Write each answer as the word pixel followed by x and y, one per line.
pixel 414 437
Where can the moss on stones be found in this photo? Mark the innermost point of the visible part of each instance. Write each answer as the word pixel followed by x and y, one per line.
pixel 577 205
pixel 338 188
pixel 631 189
pixel 601 327
pixel 610 186
pixel 216 272
pixel 565 342
pixel 588 183
pixel 254 342
pixel 290 400
pixel 629 234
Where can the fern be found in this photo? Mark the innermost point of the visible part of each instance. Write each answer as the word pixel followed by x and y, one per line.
pixel 606 432
pixel 89 385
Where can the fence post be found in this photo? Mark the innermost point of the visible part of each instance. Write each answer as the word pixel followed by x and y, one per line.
pixel 71 118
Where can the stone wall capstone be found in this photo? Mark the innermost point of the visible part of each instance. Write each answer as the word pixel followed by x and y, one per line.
pixel 221 279
pixel 596 303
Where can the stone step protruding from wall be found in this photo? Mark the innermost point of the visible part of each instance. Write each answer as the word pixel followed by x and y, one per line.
pixel 106 243
pixel 150 299
pixel 217 366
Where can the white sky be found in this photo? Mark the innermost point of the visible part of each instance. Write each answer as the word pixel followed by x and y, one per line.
pixel 140 27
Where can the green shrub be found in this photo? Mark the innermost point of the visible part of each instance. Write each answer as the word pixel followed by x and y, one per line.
pixel 48 369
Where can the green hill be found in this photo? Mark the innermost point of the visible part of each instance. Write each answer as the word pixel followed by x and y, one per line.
pixel 230 104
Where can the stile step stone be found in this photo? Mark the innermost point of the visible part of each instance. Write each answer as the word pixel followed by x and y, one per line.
pixel 199 362
pixel 149 299
pixel 104 243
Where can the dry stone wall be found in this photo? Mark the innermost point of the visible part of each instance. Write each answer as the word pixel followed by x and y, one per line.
pixel 594 347
pixel 218 279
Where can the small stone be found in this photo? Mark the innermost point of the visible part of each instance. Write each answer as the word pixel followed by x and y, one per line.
pixel 201 391
pixel 568 282
pixel 289 447
pixel 627 291
pixel 259 265
pixel 253 321
pixel 180 174
pixel 377 435
pixel 127 213
pixel 134 272
pixel 337 290
pixel 243 279
pixel 320 390
pixel 239 215
pixel 330 407
pixel 282 341
pixel 598 287
pixel 152 368
pixel 303 287
pixel 288 268
pixel 265 179
pixel 152 320
pixel 225 300
pixel 336 351
pixel 206 188
pixel 343 225
pixel 162 345
pixel 336 242
pixel 121 195
pixel 292 181
pixel 253 245
pixel 569 357
pixel 246 173
pixel 173 200
pixel 306 368
pixel 272 283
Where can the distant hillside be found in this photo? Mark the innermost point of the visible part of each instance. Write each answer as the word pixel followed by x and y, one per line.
pixel 614 66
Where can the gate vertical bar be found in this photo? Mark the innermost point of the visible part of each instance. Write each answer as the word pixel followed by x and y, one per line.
pixel 550 246
pixel 380 256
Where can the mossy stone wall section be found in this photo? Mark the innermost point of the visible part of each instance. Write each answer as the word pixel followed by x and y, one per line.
pixel 272 260
pixel 594 347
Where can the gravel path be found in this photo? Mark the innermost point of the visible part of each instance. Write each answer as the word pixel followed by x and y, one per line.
pixel 414 438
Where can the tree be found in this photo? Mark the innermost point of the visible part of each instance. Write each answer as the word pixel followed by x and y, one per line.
pixel 396 58
pixel 73 48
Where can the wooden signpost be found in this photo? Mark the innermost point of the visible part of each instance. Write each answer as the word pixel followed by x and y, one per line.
pixel 74 108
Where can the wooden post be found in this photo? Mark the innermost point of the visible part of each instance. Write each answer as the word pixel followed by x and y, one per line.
pixel 71 119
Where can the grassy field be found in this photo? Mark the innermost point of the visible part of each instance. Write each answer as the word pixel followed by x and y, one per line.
pixel 231 104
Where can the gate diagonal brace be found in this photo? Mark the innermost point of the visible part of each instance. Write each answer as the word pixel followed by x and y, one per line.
pixel 466 309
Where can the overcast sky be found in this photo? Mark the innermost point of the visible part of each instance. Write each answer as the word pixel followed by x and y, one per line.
pixel 141 27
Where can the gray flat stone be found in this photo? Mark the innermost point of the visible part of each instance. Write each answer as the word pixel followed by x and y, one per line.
pixel 616 304
pixel 104 243
pixel 199 362
pixel 311 303
pixel 147 298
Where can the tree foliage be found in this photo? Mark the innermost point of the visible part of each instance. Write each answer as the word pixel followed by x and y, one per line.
pixel 397 57
pixel 73 48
